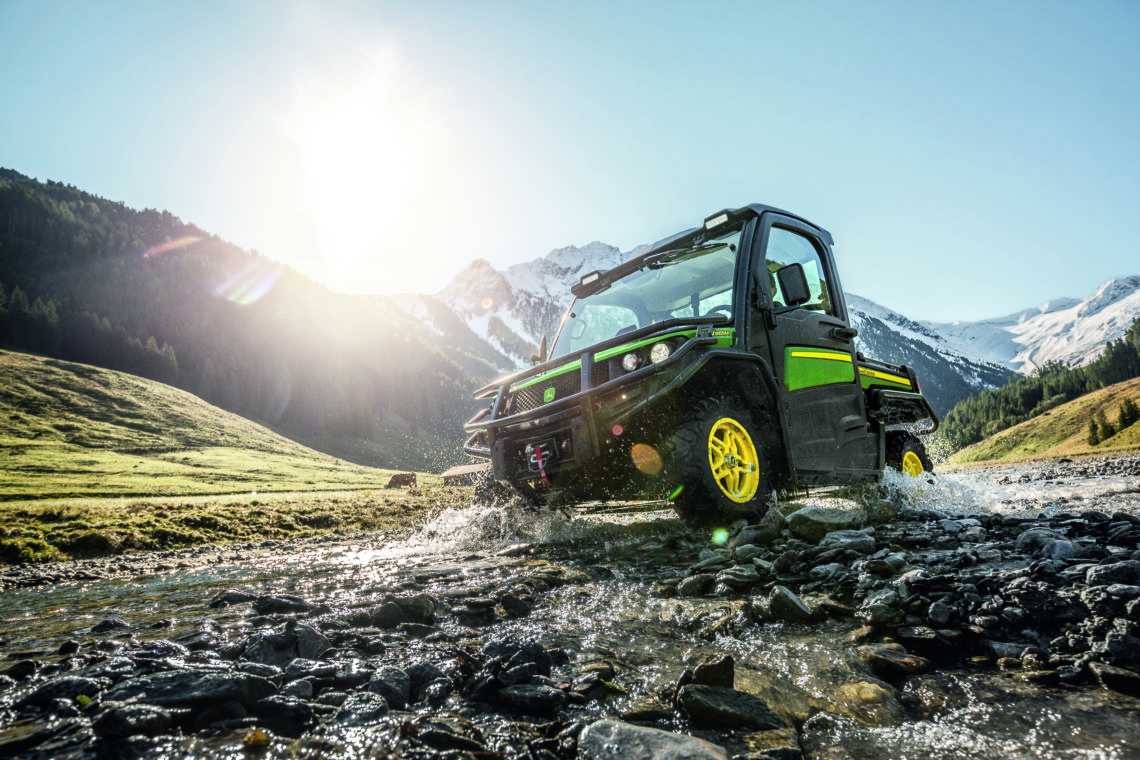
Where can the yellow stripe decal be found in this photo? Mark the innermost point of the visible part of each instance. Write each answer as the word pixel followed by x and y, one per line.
pixel 820 355
pixel 883 376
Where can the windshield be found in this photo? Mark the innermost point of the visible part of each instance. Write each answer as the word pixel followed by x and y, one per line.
pixel 695 281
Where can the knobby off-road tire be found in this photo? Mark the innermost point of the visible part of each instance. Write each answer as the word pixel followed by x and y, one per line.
pixel 907 454
pixel 723 454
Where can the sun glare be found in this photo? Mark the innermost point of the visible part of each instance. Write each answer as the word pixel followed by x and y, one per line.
pixel 368 150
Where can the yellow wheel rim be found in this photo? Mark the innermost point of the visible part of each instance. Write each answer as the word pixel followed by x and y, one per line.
pixel 911 464
pixel 734 461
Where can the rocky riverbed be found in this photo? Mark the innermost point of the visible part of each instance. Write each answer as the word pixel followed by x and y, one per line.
pixel 978 614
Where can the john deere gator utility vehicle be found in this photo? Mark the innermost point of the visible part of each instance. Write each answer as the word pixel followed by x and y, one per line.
pixel 715 368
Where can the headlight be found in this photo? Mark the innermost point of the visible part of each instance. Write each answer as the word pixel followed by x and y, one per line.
pixel 630 362
pixel 659 353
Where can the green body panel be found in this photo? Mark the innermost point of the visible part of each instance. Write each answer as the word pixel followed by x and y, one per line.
pixel 809 367
pixel 725 336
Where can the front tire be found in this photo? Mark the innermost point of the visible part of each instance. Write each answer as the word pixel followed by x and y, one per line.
pixel 907 454
pixel 723 456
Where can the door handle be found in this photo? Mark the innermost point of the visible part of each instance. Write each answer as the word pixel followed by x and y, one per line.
pixel 844 333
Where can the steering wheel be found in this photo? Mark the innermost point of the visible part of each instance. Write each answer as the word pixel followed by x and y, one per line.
pixel 723 307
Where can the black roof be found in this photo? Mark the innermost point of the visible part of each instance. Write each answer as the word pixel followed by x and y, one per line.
pixel 752 209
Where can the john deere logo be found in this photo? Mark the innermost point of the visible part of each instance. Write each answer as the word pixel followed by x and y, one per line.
pixel 548 395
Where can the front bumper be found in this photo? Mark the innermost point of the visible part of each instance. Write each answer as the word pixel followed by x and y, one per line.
pixel 564 434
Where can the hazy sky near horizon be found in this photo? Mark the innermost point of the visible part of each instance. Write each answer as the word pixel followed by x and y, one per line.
pixel 971 159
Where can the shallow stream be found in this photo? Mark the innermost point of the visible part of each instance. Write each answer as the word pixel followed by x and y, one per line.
pixel 615 612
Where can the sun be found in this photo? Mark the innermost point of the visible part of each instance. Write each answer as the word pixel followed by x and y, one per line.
pixel 368 154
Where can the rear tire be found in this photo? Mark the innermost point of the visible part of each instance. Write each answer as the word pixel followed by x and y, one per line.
pixel 907 454
pixel 722 455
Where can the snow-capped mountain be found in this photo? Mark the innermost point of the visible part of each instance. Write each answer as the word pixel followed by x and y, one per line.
pixel 1064 330
pixel 947 375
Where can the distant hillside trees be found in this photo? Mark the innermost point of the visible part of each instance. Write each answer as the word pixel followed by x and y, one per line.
pixel 90 280
pixel 1023 398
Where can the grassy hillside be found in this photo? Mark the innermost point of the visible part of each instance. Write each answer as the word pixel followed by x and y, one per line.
pixel 72 430
pixel 1061 432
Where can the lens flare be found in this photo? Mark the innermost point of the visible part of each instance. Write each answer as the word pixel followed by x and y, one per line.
pixel 170 245
pixel 646 458
pixel 676 492
pixel 487 303
pixel 618 430
pixel 720 536
pixel 251 283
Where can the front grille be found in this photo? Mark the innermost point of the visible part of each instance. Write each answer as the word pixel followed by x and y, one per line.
pixel 533 396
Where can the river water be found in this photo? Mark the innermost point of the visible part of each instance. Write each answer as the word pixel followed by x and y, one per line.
pixel 615 612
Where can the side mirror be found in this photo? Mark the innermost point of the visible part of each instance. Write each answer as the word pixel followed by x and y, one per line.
pixel 540 357
pixel 793 284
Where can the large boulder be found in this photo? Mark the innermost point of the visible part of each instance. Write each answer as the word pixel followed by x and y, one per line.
pixel 813 523
pixel 717 706
pixel 608 739
pixel 192 687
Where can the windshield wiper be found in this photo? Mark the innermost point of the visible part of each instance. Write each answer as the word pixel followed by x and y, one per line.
pixel 664 258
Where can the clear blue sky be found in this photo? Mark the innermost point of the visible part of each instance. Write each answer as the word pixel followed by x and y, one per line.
pixel 971 159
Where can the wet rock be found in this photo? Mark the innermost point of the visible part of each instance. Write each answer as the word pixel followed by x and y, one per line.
pixel 647 710
pixel 813 523
pixel 739 577
pixel 696 585
pixel 280 604
pixel 783 604
pixel 420 608
pixel 881 608
pixel 1115 678
pixel 361 708
pixel 939 614
pixel 110 624
pixel 775 744
pixel 231 596
pixel 974 534
pixel 513 605
pixel 747 552
pixel 1059 550
pixel 57 739
pixel 118 720
pixel 513 651
pixel 352 674
pixel 891 661
pixel 719 670
pixel 1032 541
pixel 288 716
pixel 388 616
pixel 303 668
pixel 22 670
pixel 608 739
pixel 115 668
pixel 159 649
pixel 65 687
pixel 190 687
pixel 1126 572
pixel 869 703
pixel 765 568
pixel 712 706
pixel 827 572
pixel 301 689
pixel 421 673
pixel 393 684
pixel 259 669
pixel 953 527
pixel 533 699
